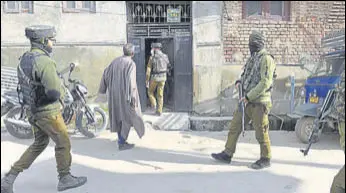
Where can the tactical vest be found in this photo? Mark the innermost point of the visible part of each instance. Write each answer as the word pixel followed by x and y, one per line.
pixel 252 76
pixel 29 90
pixel 159 63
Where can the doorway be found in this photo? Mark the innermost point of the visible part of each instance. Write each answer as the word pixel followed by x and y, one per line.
pixel 168 49
pixel 147 21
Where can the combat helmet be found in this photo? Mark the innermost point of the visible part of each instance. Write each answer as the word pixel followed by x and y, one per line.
pixel 40 31
pixel 156 45
pixel 39 35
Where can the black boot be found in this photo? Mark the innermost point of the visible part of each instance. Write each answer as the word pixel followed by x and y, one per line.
pixel 223 157
pixel 126 146
pixel 7 183
pixel 68 181
pixel 158 113
pixel 261 163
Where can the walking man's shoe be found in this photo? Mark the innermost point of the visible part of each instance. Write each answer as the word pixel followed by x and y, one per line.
pixel 7 183
pixel 68 181
pixel 126 146
pixel 261 163
pixel 223 157
pixel 158 113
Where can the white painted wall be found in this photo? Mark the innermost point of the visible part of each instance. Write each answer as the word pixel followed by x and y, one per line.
pixel 108 24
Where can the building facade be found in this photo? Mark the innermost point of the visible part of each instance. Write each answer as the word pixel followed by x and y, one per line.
pixel 206 41
pixel 90 34
pixel 293 30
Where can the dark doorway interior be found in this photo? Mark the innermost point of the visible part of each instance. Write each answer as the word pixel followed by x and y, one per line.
pixel 167 48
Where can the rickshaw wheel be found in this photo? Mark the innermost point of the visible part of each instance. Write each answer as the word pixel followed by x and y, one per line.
pixel 303 129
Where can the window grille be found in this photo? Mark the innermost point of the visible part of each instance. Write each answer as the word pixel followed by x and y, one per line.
pixel 142 12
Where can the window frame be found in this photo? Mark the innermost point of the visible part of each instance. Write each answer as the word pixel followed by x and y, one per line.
pixel 79 7
pixel 18 8
pixel 286 15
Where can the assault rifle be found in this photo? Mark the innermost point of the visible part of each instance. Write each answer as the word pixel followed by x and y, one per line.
pixel 325 110
pixel 242 108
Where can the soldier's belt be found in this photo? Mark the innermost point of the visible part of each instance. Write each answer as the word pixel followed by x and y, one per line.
pixel 160 72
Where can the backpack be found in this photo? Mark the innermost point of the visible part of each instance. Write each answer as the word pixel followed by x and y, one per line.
pixel 159 63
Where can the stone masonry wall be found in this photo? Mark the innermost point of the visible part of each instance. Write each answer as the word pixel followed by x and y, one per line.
pixel 286 40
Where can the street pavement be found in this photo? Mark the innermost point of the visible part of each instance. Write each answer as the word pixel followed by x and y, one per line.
pixel 180 162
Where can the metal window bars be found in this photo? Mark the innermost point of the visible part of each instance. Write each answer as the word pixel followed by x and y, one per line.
pixel 145 12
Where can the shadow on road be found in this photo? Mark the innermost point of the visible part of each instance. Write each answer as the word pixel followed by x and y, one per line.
pixel 298 163
pixel 328 141
pixel 106 149
pixel 100 181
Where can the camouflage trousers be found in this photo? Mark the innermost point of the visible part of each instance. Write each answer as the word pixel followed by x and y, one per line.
pixel 258 113
pixel 159 86
pixel 50 126
pixel 338 185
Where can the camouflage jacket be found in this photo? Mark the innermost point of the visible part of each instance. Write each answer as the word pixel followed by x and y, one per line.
pixel 257 78
pixel 342 135
pixel 340 100
pixel 45 71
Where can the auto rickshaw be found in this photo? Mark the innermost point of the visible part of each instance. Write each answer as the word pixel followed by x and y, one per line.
pixel 317 109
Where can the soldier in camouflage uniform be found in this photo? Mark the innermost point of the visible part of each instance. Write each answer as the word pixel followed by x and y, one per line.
pixel 157 69
pixel 338 185
pixel 42 92
pixel 257 81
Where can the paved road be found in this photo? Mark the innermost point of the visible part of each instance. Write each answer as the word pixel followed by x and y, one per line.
pixel 179 162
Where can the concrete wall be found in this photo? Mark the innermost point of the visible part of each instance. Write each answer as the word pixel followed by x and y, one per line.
pixel 108 24
pixel 92 60
pixel 91 39
pixel 207 49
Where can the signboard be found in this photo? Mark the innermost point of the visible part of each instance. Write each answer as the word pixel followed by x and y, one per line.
pixel 160 30
pixel 173 15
